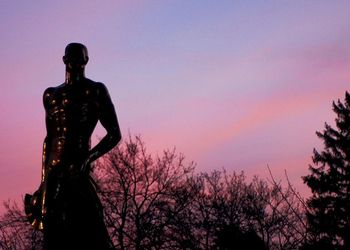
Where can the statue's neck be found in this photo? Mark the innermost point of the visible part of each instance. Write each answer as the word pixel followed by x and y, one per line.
pixel 73 77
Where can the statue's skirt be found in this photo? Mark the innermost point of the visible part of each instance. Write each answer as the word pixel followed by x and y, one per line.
pixel 74 217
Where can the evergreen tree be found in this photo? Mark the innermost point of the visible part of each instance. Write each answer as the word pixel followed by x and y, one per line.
pixel 329 181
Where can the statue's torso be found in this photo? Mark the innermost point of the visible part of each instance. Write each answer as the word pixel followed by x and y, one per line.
pixel 71 116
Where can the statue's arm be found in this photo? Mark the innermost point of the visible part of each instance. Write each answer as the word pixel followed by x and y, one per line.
pixel 108 119
pixel 45 150
pixel 47 96
pixel 45 157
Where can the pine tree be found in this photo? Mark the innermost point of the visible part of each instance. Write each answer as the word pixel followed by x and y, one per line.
pixel 329 181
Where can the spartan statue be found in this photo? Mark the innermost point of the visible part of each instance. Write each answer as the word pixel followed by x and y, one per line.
pixel 66 206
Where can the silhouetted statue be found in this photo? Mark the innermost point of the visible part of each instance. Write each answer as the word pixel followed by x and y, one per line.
pixel 66 206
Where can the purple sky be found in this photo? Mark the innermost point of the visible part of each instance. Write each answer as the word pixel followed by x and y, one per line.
pixel 229 83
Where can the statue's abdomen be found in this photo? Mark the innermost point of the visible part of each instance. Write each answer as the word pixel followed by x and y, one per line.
pixel 70 125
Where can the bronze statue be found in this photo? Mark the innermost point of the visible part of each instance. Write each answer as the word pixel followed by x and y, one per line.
pixel 66 207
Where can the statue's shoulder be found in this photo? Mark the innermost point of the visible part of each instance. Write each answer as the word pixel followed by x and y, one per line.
pixel 50 92
pixel 53 90
pixel 94 84
pixel 98 87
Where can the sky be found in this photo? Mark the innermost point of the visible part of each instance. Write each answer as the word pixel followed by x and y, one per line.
pixel 239 85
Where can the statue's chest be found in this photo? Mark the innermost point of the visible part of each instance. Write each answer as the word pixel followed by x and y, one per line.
pixel 72 108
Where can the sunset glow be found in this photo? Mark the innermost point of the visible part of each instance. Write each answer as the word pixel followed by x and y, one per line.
pixel 233 84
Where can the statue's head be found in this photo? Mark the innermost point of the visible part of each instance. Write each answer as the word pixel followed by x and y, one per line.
pixel 75 57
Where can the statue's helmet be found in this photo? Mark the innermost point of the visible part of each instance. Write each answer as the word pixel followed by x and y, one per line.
pixel 75 55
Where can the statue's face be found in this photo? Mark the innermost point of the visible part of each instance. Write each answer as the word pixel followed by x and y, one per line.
pixel 75 57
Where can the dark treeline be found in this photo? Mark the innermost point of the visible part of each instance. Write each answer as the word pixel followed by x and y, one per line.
pixel 163 203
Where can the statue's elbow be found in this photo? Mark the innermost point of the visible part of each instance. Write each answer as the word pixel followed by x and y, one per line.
pixel 116 137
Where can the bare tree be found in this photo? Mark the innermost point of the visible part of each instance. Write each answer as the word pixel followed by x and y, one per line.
pixel 277 214
pixel 260 213
pixel 15 232
pixel 140 194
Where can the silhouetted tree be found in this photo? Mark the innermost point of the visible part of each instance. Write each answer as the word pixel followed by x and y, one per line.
pixel 143 195
pixel 329 181
pixel 15 232
pixel 267 214
pixel 232 237
pixel 160 203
